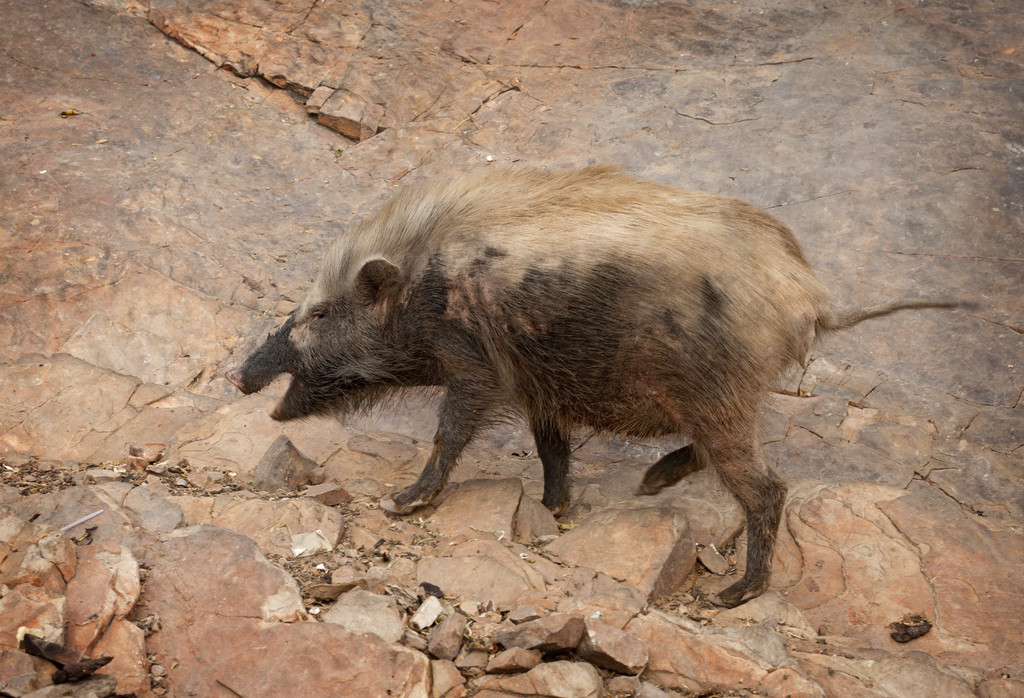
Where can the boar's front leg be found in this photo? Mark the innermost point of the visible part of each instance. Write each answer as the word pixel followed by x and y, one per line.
pixel 462 413
pixel 553 449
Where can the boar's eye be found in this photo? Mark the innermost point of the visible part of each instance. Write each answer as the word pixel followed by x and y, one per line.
pixel 317 312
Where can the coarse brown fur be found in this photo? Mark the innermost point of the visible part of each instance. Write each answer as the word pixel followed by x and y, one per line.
pixel 585 298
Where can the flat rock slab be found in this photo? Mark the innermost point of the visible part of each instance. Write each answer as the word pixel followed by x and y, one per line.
pixel 649 549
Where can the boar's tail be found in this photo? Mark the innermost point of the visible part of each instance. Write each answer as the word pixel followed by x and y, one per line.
pixel 840 320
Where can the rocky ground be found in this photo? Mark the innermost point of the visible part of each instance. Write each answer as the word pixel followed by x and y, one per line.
pixel 172 172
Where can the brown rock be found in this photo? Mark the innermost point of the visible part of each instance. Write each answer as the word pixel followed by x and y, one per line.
pixel 213 560
pixel 593 594
pixel 647 548
pixel 446 679
pixel 316 100
pixel 853 544
pixel 513 661
pixel 105 587
pixel 64 507
pixel 147 453
pixel 329 494
pixel 126 643
pixel 686 656
pixel 33 556
pixel 976 590
pixel 282 467
pixel 523 613
pixel 1000 688
pixel 21 673
pixel 483 571
pixel 712 560
pixel 533 520
pixel 611 648
pixel 559 631
pixel 33 607
pixel 350 115
pixel 472 662
pixel 770 607
pixel 71 397
pixel 445 640
pixel 561 679
pixel 480 508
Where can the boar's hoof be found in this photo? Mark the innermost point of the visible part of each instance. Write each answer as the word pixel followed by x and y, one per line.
pixel 740 592
pixel 396 505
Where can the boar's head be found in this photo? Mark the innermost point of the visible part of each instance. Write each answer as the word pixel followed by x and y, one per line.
pixel 339 348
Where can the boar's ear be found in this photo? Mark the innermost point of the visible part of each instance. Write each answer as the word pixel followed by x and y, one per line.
pixel 376 281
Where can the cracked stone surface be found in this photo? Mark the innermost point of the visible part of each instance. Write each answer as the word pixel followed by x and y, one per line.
pixel 173 172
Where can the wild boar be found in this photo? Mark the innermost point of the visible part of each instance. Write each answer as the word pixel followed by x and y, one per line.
pixel 573 299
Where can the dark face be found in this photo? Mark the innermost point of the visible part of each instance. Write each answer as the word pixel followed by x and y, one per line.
pixel 335 352
pixel 275 356
pixel 341 350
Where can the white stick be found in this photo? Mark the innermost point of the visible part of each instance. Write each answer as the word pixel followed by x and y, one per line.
pixel 83 519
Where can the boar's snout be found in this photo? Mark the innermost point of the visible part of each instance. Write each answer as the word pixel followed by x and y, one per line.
pixel 235 378
pixel 275 356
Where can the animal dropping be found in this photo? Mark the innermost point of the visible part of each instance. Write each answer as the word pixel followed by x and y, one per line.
pixel 574 299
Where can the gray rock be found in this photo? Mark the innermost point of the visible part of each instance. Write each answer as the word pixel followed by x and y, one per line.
pixel 445 640
pixel 611 648
pixel 152 511
pixel 95 686
pixel 365 612
pixel 282 467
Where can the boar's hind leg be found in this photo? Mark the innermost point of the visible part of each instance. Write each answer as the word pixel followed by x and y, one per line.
pixel 762 495
pixel 672 468
pixel 461 415
pixel 554 452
